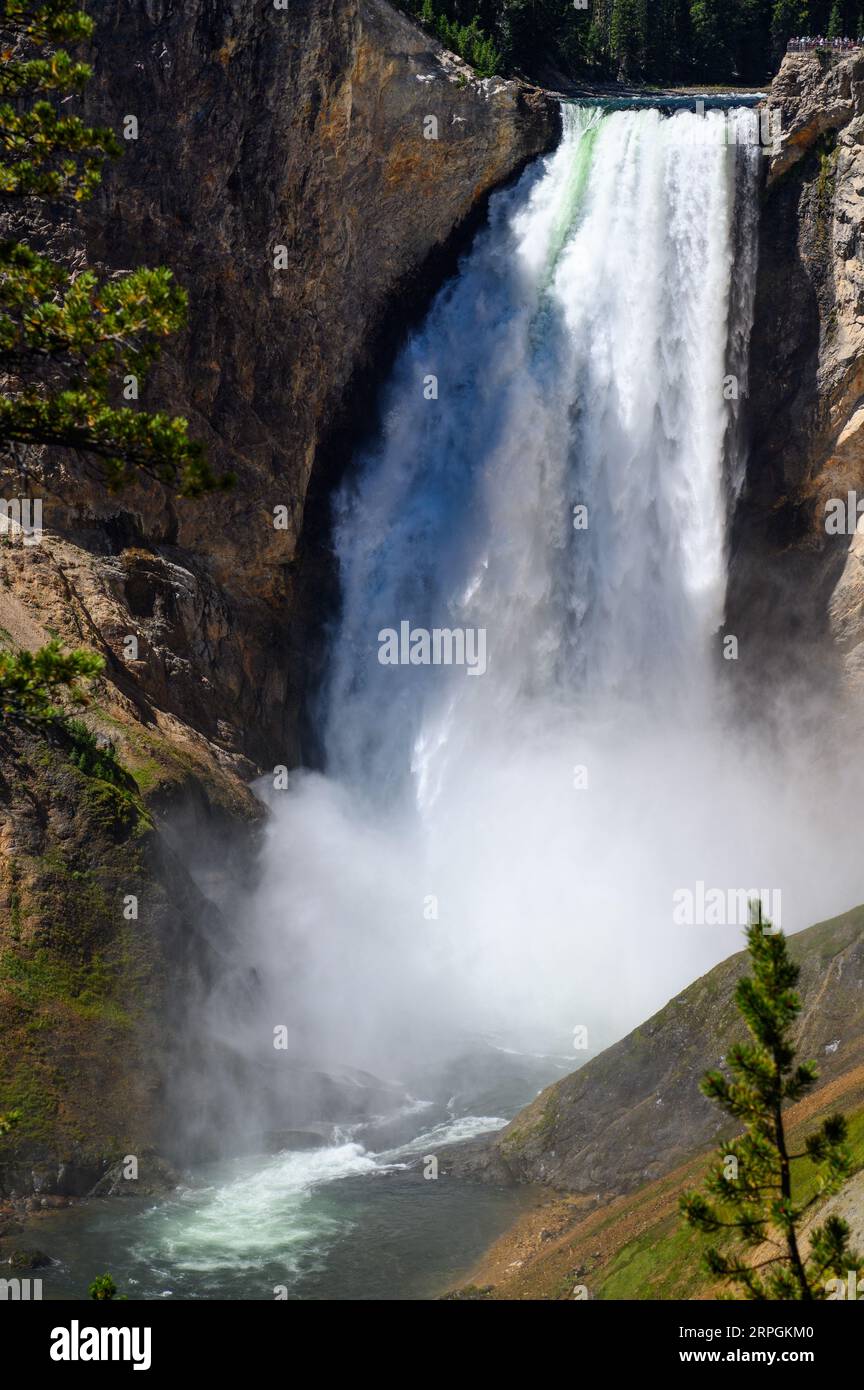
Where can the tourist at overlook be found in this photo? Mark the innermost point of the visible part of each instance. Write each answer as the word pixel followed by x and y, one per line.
pixel 808 43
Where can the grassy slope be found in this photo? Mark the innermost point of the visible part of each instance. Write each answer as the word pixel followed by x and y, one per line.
pixel 635 1246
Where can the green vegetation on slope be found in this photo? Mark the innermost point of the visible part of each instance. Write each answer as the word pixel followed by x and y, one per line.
pixel 636 1247
pixel 612 1146
pixel 663 1261
pixel 468 40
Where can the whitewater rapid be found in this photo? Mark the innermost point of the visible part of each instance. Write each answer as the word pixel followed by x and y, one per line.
pixel 341 1221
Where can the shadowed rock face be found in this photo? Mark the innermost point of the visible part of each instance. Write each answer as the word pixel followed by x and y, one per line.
pixel 89 992
pixel 636 1111
pixel 797 592
pixel 258 129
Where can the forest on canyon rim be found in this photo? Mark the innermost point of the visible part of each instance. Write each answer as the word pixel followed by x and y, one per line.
pixel 711 41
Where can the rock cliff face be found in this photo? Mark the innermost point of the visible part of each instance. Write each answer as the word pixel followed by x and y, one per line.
pixel 259 129
pixel 796 590
pixel 282 170
pixel 104 941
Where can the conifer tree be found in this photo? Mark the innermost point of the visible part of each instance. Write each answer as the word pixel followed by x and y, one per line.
pixel 752 1186
pixel 627 36
pixel 650 39
pixel 72 347
pixel 29 681
pixel 789 18
pixel 714 24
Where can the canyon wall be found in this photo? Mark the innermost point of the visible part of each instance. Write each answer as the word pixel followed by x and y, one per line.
pixel 796 597
pixel 282 170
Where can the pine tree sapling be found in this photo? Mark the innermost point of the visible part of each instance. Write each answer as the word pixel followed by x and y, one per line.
pixel 751 1187
pixel 29 681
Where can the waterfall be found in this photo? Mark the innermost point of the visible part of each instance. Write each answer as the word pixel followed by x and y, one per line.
pixel 580 360
pixel 497 851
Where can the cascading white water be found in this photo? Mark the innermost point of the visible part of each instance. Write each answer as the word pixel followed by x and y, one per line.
pixel 499 851
pixel 580 359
